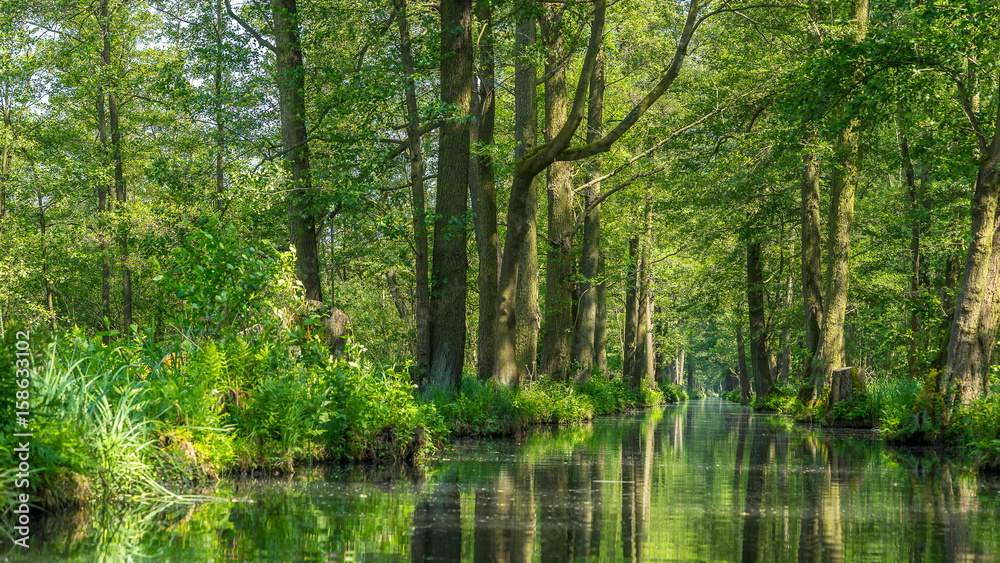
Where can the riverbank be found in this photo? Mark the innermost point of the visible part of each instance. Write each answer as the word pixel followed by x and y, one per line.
pixel 141 417
pixel 888 405
pixel 698 481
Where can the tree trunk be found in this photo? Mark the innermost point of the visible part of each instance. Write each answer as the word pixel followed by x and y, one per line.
pixel 812 265
pixel 527 316
pixel 830 351
pixel 557 337
pixel 786 345
pixel 103 189
pixel 742 357
pixel 679 365
pixel 964 378
pixel 484 197
pixel 584 337
pixel 121 196
pixel 449 254
pixel 397 296
pixel 642 372
pixel 690 378
pixel 220 130
pixel 914 322
pixel 290 75
pixel 422 307
pixel 631 313
pixel 46 286
pixel 601 321
pixel 759 355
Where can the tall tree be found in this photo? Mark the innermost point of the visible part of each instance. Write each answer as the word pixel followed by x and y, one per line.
pixel 290 75
pixel 830 350
pixel 449 253
pixel 483 192
pixel 759 330
pixel 422 308
pixel 585 334
pixel 527 316
pixel 559 149
pixel 558 333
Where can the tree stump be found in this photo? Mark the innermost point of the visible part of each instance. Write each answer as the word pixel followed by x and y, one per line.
pixel 845 382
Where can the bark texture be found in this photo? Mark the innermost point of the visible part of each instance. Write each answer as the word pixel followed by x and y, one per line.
pixel 290 75
pixel 584 336
pixel 449 253
pixel 484 197
pixel 759 331
pixel 527 316
pixel 830 350
pixel 558 325
pixel 422 307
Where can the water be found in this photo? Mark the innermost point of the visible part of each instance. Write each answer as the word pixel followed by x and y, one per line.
pixel 705 481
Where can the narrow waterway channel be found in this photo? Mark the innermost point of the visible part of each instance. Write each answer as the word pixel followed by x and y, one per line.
pixel 702 481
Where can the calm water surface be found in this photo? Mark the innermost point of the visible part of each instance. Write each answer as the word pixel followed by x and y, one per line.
pixel 704 481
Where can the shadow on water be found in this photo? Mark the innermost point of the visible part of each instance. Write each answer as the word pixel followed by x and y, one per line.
pixel 707 480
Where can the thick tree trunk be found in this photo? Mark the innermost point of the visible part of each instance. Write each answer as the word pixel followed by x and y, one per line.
pixel 989 315
pixel 422 307
pixel 290 75
pixel 584 337
pixel 631 312
pixel 975 312
pixel 830 351
pixel 527 315
pixel 812 266
pixel 759 331
pixel 484 197
pixel 449 253
pixel 558 333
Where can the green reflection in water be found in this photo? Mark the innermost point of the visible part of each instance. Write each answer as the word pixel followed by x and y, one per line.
pixel 705 481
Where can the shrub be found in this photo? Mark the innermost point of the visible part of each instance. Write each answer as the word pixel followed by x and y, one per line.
pixel 482 408
pixel 673 393
pixel 976 426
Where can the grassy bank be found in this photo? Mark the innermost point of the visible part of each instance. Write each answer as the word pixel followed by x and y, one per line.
pixel 142 417
pixel 973 433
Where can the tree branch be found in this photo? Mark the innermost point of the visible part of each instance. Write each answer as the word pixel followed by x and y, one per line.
pixel 250 29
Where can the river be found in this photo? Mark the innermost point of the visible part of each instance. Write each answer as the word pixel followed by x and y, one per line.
pixel 702 481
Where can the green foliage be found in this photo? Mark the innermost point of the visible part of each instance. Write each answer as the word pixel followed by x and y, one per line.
pixel 482 408
pixel 550 402
pixel 219 279
pixel 783 398
pixel 673 393
pixel 90 416
pixel 891 399
pixel 735 396
pixel 976 426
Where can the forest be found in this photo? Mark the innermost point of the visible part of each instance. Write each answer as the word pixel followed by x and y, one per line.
pixel 247 236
